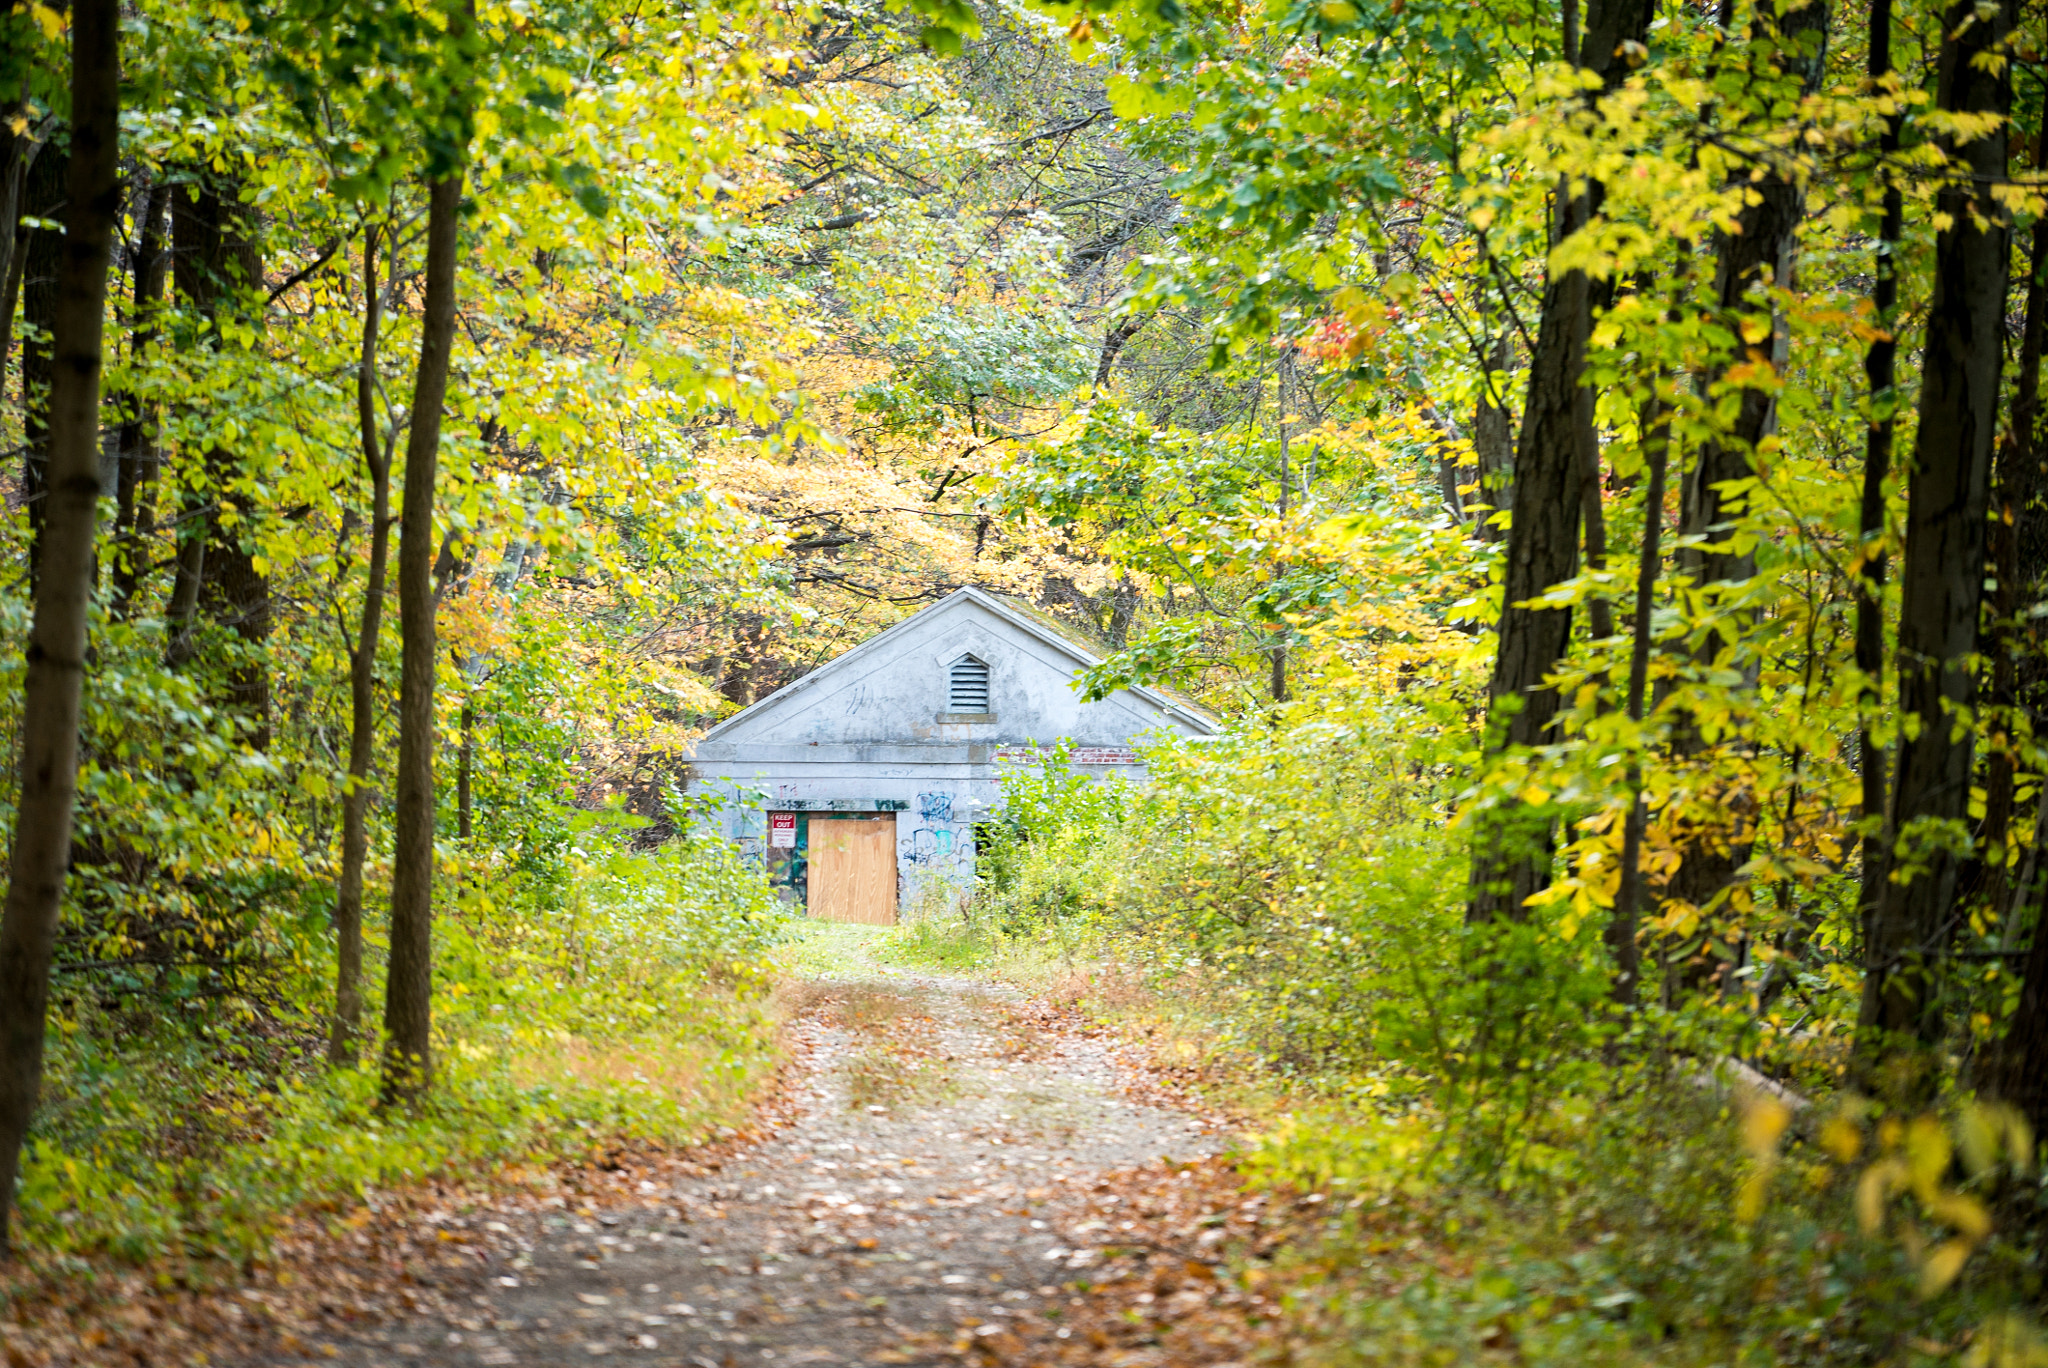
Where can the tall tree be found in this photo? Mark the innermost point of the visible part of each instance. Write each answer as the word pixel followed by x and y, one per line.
pixel 219 271
pixel 1512 843
pixel 2018 537
pixel 1941 580
pixel 362 672
pixel 1786 46
pixel 42 270
pixel 52 688
pixel 18 152
pixel 2017 1069
pixel 1277 657
pixel 408 992
pixel 1622 928
pixel 1880 364
pixel 1493 438
pixel 134 495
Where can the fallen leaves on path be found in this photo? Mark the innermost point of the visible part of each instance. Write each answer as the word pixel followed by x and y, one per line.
pixel 333 1271
pixel 947 1173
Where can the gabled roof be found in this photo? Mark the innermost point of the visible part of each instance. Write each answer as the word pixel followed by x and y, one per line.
pixel 1093 648
pixel 1042 629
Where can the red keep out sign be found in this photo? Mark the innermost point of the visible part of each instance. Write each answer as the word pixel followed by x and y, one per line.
pixel 782 830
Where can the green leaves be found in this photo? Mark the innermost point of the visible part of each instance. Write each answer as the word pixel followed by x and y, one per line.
pixel 405 76
pixel 951 22
pixel 1164 653
pixel 580 183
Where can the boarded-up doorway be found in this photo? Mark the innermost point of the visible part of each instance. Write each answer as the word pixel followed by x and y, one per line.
pixel 853 869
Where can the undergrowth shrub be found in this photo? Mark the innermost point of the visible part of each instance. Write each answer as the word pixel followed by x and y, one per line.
pixel 1694 1228
pixel 1571 1183
pixel 1053 856
pixel 611 996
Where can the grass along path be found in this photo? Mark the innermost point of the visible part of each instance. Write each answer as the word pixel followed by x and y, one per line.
pixel 925 1196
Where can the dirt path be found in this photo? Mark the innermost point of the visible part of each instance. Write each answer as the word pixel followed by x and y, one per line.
pixel 928 1189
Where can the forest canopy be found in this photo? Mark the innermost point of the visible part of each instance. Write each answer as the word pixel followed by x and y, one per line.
pixel 1592 454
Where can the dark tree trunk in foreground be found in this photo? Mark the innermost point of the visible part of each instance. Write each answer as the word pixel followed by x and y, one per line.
pixel 1942 577
pixel 1511 850
pixel 1755 257
pixel 1879 370
pixel 362 678
pixel 56 647
pixel 408 996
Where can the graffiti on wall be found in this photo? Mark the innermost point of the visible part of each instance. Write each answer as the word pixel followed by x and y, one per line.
pixel 934 844
pixel 931 845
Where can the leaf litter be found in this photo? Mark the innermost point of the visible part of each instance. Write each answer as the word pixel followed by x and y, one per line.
pixel 947 1172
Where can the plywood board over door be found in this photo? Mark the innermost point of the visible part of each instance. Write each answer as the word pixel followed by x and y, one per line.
pixel 853 869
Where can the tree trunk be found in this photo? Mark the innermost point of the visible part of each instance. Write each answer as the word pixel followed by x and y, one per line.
pixel 1123 612
pixel 1879 367
pixel 1493 444
pixel 220 270
pixel 2015 537
pixel 43 263
pixel 135 496
pixel 1621 937
pixel 465 760
pixel 1756 256
pixel 408 997
pixel 1450 474
pixel 22 150
pixel 1599 612
pixel 57 638
pixel 1113 344
pixel 181 613
pixel 737 681
pixel 10 296
pixel 202 272
pixel 1512 845
pixel 1277 658
pixel 1942 578
pixel 1512 842
pixel 2017 1069
pixel 362 677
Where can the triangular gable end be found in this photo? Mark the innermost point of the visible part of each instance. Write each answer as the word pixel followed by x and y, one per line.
pixel 761 720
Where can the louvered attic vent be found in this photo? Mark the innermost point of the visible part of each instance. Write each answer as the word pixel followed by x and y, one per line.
pixel 967 686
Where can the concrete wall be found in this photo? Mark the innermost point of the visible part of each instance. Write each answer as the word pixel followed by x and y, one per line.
pixel 871 732
pixel 892 689
pixel 936 807
pixel 934 819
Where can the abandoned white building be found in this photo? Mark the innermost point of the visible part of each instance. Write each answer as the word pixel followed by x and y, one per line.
pixel 865 778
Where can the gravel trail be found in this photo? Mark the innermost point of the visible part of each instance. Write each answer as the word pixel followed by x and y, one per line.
pixel 926 1191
